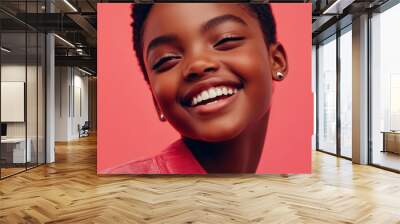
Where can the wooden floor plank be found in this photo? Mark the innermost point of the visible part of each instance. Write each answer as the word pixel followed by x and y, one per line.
pixel 69 191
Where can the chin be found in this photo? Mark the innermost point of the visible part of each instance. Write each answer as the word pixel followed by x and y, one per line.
pixel 220 133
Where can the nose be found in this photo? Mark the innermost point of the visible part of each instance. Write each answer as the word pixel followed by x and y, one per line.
pixel 199 67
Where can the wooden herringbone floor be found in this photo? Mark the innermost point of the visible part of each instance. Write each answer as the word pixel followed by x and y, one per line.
pixel 69 191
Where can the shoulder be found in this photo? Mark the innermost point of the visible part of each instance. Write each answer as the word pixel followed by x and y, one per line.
pixel 175 159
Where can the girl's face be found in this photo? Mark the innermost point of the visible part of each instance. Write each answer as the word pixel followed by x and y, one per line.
pixel 209 68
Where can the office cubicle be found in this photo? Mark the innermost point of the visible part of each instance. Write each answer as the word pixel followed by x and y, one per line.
pixel 22 95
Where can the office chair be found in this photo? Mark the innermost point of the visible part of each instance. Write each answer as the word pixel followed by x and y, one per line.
pixel 84 130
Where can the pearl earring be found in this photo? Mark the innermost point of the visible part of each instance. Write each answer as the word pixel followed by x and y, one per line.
pixel 162 117
pixel 280 75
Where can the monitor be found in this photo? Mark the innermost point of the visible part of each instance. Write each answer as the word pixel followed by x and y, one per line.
pixel 3 129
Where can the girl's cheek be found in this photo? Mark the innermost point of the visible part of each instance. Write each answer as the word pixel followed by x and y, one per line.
pixel 165 90
pixel 252 57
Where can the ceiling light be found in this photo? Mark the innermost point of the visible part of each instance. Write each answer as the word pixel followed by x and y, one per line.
pixel 70 5
pixel 5 50
pixel 338 6
pixel 65 41
pixel 84 71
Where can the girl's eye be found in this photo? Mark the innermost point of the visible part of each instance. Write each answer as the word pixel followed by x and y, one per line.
pixel 164 62
pixel 228 43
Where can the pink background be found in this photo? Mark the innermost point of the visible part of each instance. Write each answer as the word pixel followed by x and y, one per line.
pixel 128 126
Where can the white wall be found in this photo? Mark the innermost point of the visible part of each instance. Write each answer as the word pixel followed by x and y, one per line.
pixel 71 93
pixel 33 127
pixel 16 73
pixel 61 103
pixel 79 117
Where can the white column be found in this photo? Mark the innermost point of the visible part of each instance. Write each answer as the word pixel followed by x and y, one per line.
pixel 50 93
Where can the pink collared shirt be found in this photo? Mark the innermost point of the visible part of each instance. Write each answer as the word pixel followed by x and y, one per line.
pixel 175 159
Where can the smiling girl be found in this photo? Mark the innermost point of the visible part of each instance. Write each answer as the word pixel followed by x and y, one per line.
pixel 210 68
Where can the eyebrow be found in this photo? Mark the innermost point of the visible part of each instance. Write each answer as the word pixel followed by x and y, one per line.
pixel 221 19
pixel 166 39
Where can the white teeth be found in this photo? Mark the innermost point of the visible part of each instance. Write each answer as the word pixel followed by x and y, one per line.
pixel 219 91
pixel 212 93
pixel 224 90
pixel 204 95
pixel 194 101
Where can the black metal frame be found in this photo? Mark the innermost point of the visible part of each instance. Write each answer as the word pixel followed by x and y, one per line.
pixel 338 98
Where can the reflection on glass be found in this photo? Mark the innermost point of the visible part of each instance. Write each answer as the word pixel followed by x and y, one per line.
pixel 385 88
pixel 14 153
pixel 346 94
pixel 327 96
pixel 22 88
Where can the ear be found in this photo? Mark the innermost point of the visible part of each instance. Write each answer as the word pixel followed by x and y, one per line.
pixel 161 116
pixel 279 62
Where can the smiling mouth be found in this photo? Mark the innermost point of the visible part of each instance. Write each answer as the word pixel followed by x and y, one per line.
pixel 212 95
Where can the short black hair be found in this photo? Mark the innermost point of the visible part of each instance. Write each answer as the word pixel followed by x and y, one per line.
pixel 140 12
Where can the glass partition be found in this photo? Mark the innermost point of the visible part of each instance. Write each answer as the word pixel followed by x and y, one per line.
pixel 22 78
pixel 327 95
pixel 14 153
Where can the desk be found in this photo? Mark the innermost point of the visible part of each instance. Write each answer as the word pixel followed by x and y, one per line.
pixel 391 141
pixel 13 150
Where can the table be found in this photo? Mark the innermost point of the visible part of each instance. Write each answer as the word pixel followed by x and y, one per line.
pixel 391 141
pixel 13 150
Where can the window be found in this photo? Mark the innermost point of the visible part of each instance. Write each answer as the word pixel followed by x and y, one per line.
pixel 346 75
pixel 385 88
pixel 327 95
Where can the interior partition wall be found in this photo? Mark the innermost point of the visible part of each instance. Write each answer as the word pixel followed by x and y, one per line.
pixel 22 77
pixel 334 94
